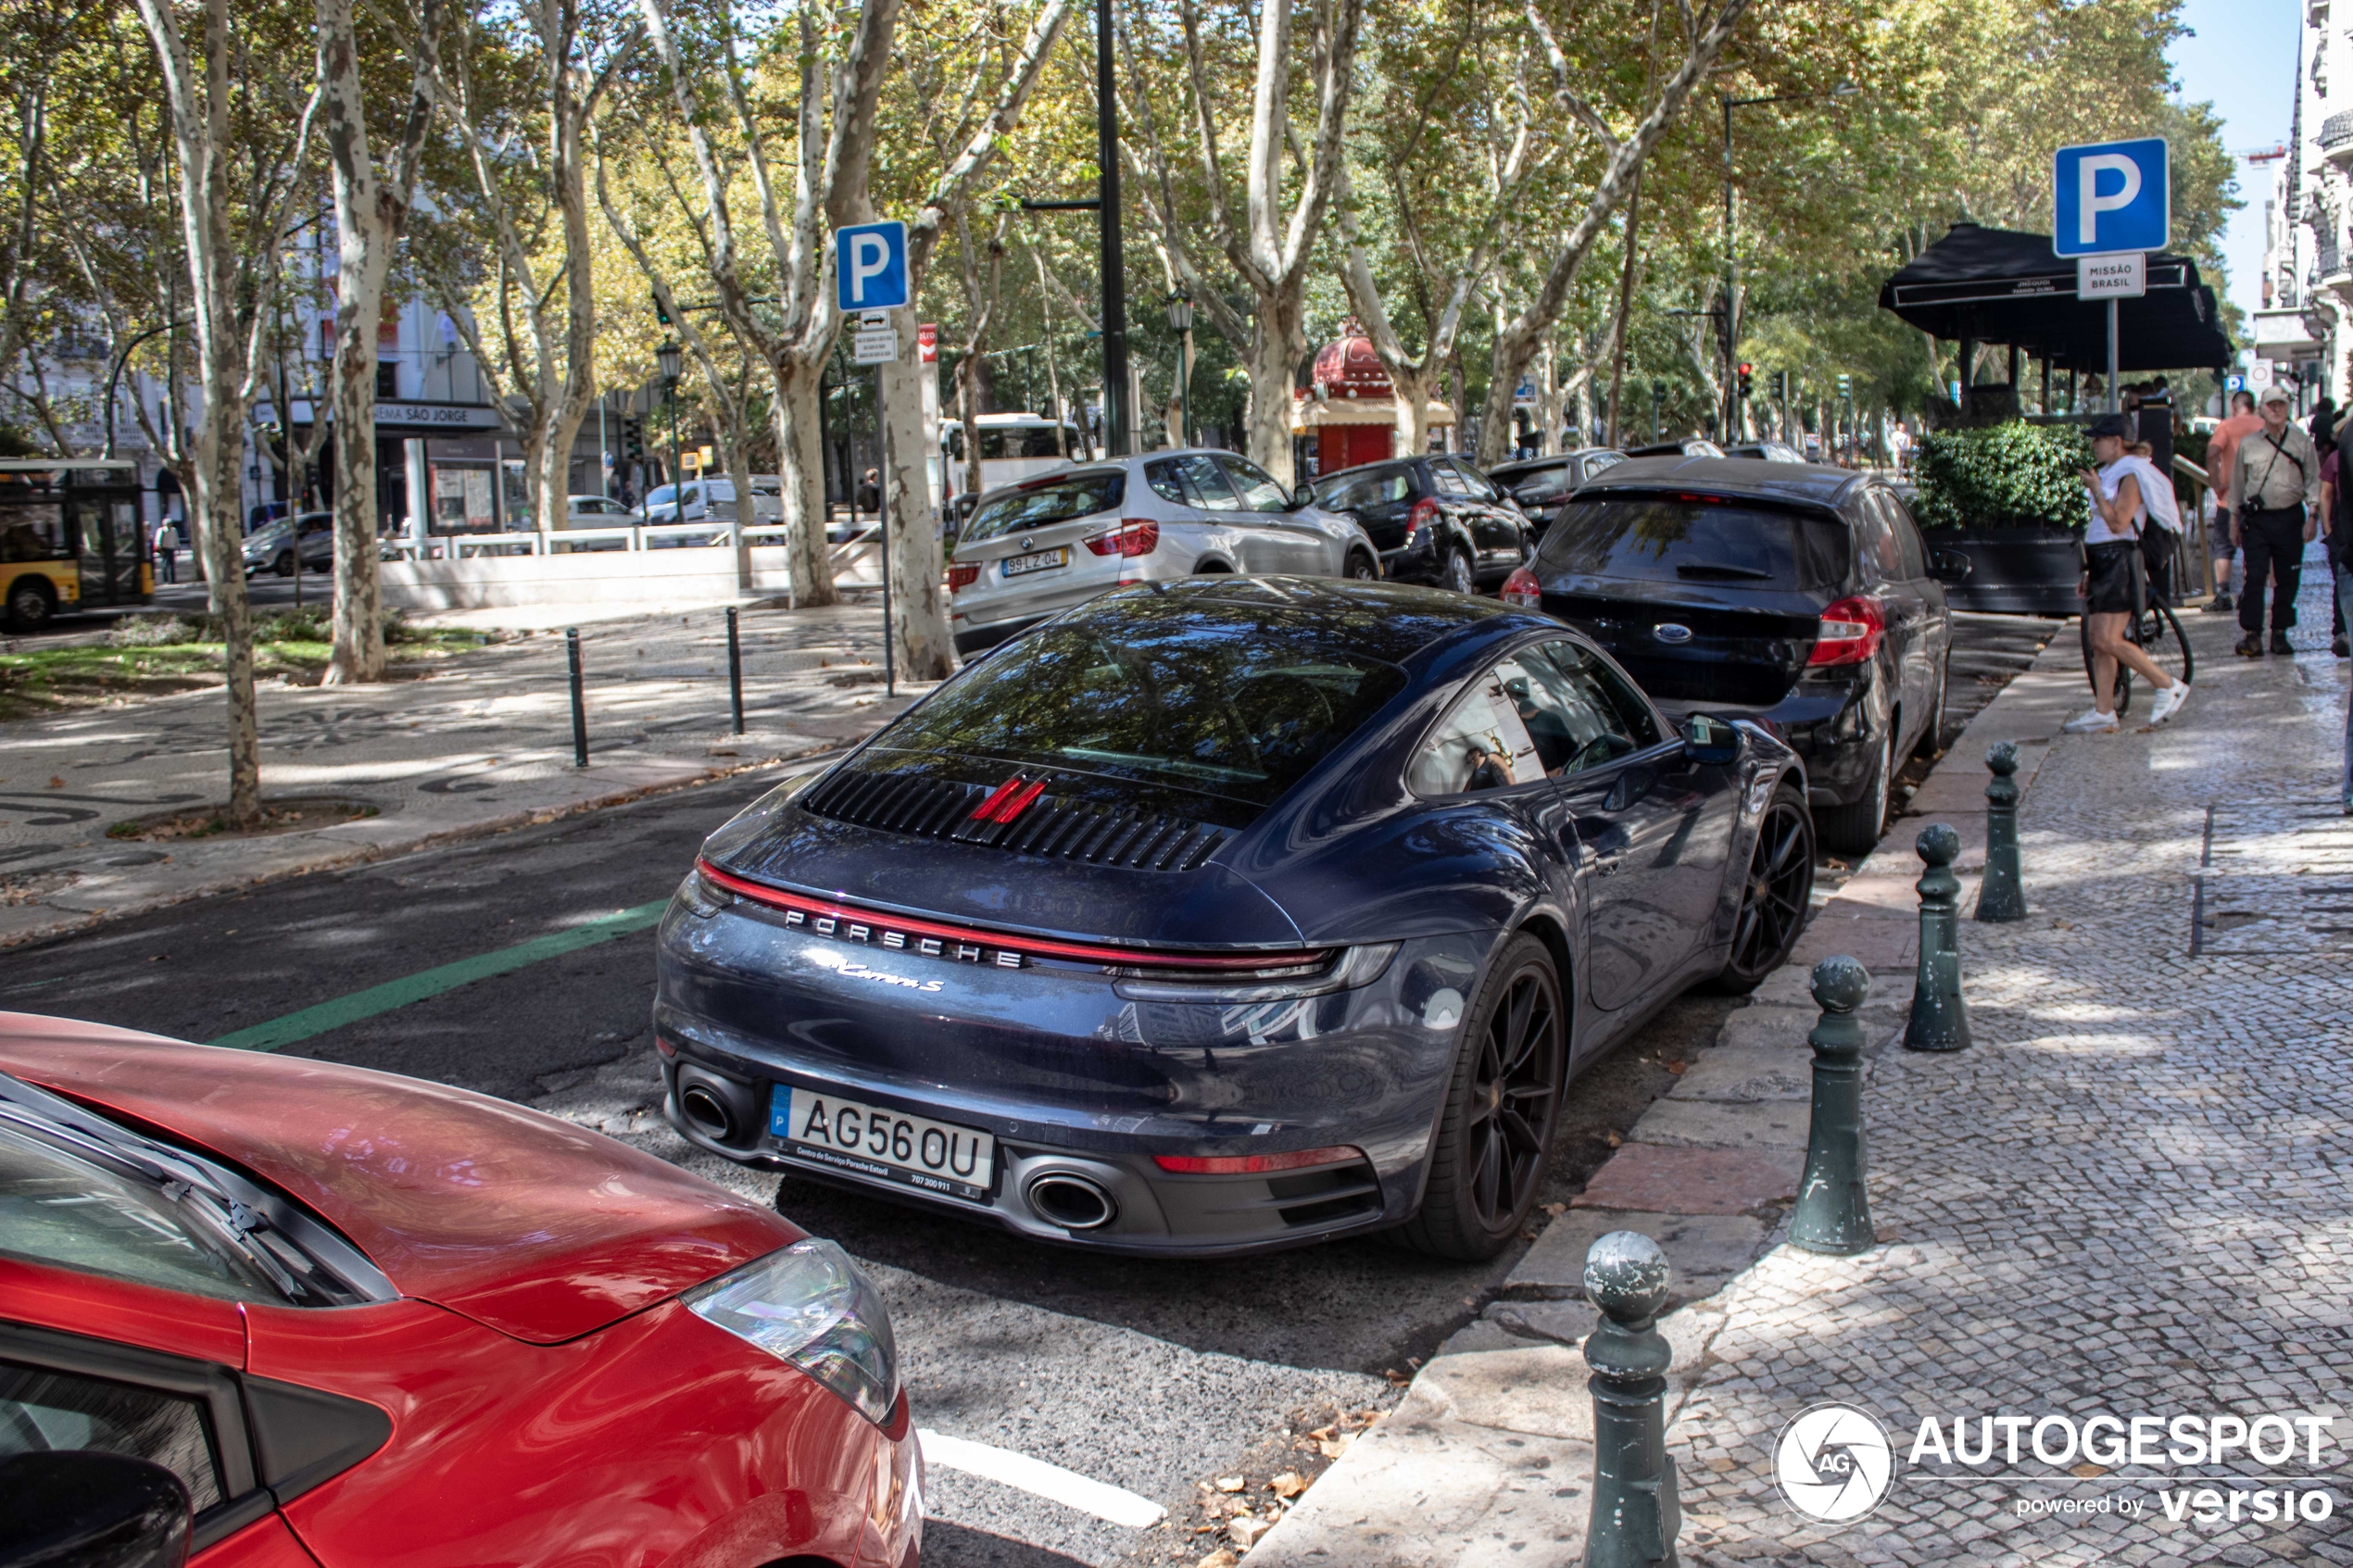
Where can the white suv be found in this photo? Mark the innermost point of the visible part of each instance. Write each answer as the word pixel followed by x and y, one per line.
pixel 1044 544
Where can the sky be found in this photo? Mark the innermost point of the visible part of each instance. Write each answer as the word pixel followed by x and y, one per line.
pixel 2243 61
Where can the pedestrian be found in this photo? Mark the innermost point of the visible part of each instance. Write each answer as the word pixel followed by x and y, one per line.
pixel 2275 492
pixel 869 492
pixel 2321 426
pixel 1900 441
pixel 2333 533
pixel 2222 453
pixel 166 551
pixel 2339 518
pixel 2113 583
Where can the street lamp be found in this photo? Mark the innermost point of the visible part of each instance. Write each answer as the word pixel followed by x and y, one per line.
pixel 667 357
pixel 1180 321
pixel 1840 92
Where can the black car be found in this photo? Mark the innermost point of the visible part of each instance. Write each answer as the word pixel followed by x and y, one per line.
pixel 1541 485
pixel 1224 914
pixel 1434 519
pixel 1801 594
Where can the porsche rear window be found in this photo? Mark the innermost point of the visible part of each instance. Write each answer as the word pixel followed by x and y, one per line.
pixel 1680 538
pixel 1063 500
pixel 1166 694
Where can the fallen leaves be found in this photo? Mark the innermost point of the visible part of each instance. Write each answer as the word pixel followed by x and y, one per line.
pixel 1221 1557
pixel 1614 1141
pixel 1230 1483
pixel 1288 1485
pixel 1678 1068
pixel 1246 1530
pixel 55 781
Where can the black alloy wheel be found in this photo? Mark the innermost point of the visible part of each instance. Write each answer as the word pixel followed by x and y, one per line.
pixel 1853 829
pixel 283 565
pixel 1494 1140
pixel 1458 572
pixel 1774 899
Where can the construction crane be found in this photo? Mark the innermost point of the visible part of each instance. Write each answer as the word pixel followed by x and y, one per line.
pixel 2262 155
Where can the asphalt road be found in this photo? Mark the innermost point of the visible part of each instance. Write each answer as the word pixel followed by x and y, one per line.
pixel 1151 1377
pixel 1008 1342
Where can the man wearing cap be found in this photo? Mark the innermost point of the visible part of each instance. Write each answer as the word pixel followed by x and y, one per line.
pixel 2275 494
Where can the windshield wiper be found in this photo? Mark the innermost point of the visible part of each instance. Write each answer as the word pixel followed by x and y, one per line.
pixel 1721 569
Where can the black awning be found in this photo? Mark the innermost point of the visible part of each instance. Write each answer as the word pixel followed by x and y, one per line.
pixel 1997 285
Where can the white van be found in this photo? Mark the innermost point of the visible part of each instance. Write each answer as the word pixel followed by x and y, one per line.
pixel 664 505
pixel 1012 446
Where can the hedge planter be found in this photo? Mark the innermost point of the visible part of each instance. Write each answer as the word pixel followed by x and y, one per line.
pixel 2014 570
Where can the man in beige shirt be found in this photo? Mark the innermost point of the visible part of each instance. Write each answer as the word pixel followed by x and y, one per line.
pixel 2274 500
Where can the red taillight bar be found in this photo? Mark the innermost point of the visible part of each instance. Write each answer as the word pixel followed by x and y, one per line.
pixel 1253 1165
pixel 1080 952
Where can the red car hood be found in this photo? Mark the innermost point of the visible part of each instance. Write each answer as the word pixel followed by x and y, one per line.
pixel 531 1225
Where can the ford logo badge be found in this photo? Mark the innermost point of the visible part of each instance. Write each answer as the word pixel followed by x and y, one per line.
pixel 1670 631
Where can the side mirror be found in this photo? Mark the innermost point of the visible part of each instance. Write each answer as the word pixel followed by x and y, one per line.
pixel 82 1509
pixel 1302 496
pixel 1710 742
pixel 1949 566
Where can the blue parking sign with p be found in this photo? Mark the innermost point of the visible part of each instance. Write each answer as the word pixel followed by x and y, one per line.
pixel 870 267
pixel 2110 197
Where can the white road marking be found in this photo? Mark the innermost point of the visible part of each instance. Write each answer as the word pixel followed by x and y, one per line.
pixel 1035 1476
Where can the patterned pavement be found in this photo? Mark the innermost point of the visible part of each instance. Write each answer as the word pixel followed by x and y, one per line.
pixel 2133 1195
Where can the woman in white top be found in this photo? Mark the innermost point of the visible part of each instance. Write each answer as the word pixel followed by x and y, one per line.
pixel 2112 585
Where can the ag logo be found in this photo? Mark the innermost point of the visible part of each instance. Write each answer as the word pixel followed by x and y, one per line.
pixel 1833 1463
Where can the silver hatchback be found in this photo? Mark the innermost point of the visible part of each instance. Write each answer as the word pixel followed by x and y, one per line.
pixel 1037 547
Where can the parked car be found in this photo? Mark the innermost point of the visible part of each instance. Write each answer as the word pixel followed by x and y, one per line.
pixel 1688 447
pixel 1434 519
pixel 1768 451
pixel 1540 485
pixel 1802 596
pixel 701 500
pixel 598 511
pixel 1223 915
pixel 368 1319
pixel 270 548
pixel 1058 539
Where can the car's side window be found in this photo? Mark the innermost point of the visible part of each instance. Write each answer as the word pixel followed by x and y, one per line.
pixel 1205 485
pixel 1448 480
pixel 1879 551
pixel 1257 487
pixel 40 1410
pixel 1162 478
pixel 1571 730
pixel 1482 743
pixel 1474 483
pixel 1908 535
pixel 1608 692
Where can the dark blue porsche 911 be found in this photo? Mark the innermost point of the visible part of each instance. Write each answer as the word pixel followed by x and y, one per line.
pixel 1226 914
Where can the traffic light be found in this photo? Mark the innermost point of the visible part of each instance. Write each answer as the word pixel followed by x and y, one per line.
pixel 1781 386
pixel 662 316
pixel 1747 386
pixel 1846 385
pixel 632 440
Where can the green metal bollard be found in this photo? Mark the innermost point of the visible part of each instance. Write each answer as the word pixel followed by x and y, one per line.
pixel 1833 1212
pixel 2001 896
pixel 1940 1019
pixel 1636 1517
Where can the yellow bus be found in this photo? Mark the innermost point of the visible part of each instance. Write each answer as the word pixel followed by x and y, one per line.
pixel 71 539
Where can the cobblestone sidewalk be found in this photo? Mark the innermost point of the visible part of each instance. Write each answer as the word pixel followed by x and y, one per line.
pixel 480 742
pixel 2132 1196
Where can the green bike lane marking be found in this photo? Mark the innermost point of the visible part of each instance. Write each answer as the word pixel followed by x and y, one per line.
pixel 393 995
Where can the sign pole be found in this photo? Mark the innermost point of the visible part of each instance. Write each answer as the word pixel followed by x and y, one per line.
pixel 882 522
pixel 2114 400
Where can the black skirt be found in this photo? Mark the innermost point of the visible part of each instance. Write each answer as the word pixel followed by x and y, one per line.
pixel 2115 571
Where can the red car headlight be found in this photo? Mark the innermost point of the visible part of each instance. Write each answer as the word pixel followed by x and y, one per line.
pixel 812 1308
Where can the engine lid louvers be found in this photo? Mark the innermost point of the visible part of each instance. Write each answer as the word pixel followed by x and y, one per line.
pixel 925 806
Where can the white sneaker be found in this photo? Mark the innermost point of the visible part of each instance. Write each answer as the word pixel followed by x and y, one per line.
pixel 2091 722
pixel 2170 701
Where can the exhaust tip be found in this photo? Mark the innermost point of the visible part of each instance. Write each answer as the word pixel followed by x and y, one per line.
pixel 707 1112
pixel 1073 1202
